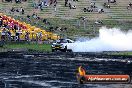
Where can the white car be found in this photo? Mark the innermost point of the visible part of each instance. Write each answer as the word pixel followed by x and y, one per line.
pixel 62 45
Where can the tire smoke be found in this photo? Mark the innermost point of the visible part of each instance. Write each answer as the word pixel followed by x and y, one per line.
pixel 108 40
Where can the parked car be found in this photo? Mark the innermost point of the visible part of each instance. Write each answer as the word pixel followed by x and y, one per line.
pixel 62 45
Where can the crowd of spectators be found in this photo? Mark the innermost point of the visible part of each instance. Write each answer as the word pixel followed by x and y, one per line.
pixel 12 30
pixel 38 19
pixel 44 3
pixel 17 10
pixel 93 8
pixel 40 4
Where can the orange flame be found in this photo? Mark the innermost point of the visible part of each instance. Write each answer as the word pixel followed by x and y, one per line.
pixel 81 71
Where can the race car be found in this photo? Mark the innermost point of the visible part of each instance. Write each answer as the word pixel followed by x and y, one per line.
pixel 62 45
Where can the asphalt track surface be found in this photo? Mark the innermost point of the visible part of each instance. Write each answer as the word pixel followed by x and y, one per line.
pixel 57 70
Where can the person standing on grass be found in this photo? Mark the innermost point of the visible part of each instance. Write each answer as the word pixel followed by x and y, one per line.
pixel 51 2
pixel 1 22
pixel 9 35
pixel 3 34
pixel 22 10
pixel 40 37
pixel 27 36
pixel 55 1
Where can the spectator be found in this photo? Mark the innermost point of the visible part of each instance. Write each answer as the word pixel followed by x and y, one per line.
pixel 27 36
pixel 40 36
pixel 3 34
pixel 46 2
pixel 66 2
pixel 92 5
pixel 98 22
pixel 13 34
pixel 1 22
pixel 51 2
pixel 72 6
pixel 18 1
pixel 5 25
pixel 16 36
pixel 106 5
pixel 22 10
pixel 100 10
pixel 45 21
pixel 112 1
pixel 35 5
pixel 34 15
pixel 90 9
pixel 55 7
pixel 15 27
pixel 12 9
pixel 18 33
pixel 40 6
pixel 129 5
pixel 9 35
pixel 17 10
pixel 51 29
pixel 85 9
pixel 55 1
pixel 28 16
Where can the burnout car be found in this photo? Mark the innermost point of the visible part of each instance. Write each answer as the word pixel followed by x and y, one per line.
pixel 62 45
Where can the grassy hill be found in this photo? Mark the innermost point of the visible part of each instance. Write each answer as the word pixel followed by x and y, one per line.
pixel 116 16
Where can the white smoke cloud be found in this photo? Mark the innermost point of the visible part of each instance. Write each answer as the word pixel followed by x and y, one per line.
pixel 109 40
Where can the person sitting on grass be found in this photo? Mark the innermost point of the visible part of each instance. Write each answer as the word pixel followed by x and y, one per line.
pixel 129 5
pixel 92 5
pixel 100 10
pixel 85 9
pixel 22 10
pixel 112 1
pixel 72 6
pixel 66 2
pixel 17 1
pixel 107 5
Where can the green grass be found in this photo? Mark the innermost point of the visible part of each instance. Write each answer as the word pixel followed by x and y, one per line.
pixel 34 47
pixel 121 53
pixel 2 49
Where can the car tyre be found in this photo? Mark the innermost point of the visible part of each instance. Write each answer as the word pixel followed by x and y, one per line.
pixel 65 49
pixel 70 50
